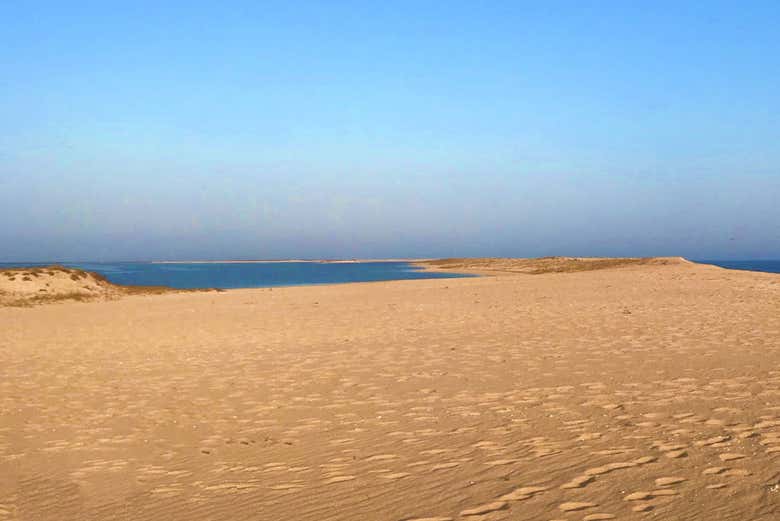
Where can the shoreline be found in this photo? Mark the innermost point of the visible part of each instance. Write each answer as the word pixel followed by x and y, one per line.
pixel 43 285
pixel 613 392
pixel 309 261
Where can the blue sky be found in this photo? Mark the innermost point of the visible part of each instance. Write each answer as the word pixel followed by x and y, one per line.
pixel 210 130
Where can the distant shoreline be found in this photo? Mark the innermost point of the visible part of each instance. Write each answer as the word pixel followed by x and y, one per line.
pixel 318 261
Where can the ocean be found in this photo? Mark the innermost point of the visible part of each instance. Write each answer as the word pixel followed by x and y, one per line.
pixel 226 275
pixel 229 275
pixel 769 266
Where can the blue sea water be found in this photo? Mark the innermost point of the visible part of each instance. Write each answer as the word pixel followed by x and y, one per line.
pixel 250 275
pixel 273 274
pixel 769 266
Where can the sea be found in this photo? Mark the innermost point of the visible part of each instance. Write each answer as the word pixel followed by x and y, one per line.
pixel 229 275
pixel 768 266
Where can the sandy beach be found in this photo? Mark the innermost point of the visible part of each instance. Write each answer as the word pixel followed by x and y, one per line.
pixel 633 392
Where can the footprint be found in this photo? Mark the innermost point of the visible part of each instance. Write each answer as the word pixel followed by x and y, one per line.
pixel 382 457
pixel 444 466
pixel 664 492
pixel 522 493
pixel 395 475
pixel 499 462
pixel 737 473
pixel 645 460
pixel 731 456
pixel 575 506
pixel 642 495
pixel 598 471
pixel 578 482
pixel 667 481
pixel 485 509
pixel 286 486
pixel 712 441
pixel 674 454
pixel 666 447
pixel 612 452
pixel 638 496
pixel 338 479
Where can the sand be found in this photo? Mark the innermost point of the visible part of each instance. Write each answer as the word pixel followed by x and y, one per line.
pixel 642 391
pixel 33 286
pixel 503 266
pixel 25 287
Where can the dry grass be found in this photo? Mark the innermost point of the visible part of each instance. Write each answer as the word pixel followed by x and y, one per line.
pixel 545 264
pixel 26 302
pixel 58 284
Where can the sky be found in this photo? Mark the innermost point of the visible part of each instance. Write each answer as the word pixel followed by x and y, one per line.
pixel 268 130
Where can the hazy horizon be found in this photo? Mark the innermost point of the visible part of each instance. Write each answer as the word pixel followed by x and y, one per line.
pixel 196 131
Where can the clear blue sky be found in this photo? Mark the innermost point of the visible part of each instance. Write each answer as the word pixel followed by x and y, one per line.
pixel 162 130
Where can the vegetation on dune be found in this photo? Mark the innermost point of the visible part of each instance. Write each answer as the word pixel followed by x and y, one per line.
pixel 546 264
pixel 57 283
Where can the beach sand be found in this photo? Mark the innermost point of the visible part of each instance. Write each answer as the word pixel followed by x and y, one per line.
pixel 640 391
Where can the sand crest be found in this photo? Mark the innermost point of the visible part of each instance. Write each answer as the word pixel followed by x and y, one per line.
pixel 50 284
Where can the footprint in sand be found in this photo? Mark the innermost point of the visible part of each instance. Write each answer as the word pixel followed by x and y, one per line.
pixel 382 457
pixel 445 466
pixel 643 496
pixel 712 441
pixel 575 506
pixel 739 473
pixel 613 452
pixel 674 454
pixel 664 492
pixel 638 496
pixel 578 482
pixel 485 509
pixel 435 451
pixel 668 481
pixel 338 479
pixel 286 486
pixel 522 493
pixel 731 456
pixel 499 462
pixel 395 475
pixel 644 460
pixel 666 447
pixel 598 471
pixel 770 438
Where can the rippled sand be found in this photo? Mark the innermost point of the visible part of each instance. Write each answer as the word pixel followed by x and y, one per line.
pixel 638 392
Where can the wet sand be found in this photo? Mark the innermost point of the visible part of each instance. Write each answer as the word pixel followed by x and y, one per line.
pixel 634 392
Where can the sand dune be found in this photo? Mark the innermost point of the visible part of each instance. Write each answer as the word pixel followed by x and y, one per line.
pixel 49 284
pixel 541 265
pixel 645 391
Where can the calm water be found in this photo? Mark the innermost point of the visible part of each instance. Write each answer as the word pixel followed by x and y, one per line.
pixel 251 275
pixel 261 275
pixel 770 266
